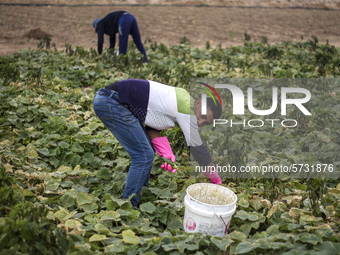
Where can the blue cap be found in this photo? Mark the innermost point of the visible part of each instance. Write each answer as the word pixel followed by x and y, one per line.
pixel 95 23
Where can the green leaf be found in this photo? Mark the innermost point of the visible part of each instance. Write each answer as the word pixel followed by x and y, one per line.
pixel 181 246
pixel 104 173
pixel 273 230
pixel 89 208
pixel 241 214
pixel 312 239
pixel 253 217
pixel 13 119
pixel 254 224
pixel 237 236
pixel 169 247
pixel 101 229
pixel 174 222
pixel 172 186
pixel 72 224
pixel 262 244
pixel 73 159
pixel 148 208
pixel 246 228
pixel 28 193
pixel 115 248
pixel 97 238
pixel 111 215
pixel 130 237
pixel 83 198
pixel 324 249
pixel 63 214
pixel 110 205
pixel 292 226
pixel 64 145
pixel 106 148
pixel 220 243
pixel 243 203
pixel 93 125
pixel 121 164
pixel 60 214
pixel 76 147
pixel 67 200
pixel 124 213
pixel 244 247
pixel 32 152
pixel 149 230
pixel 310 218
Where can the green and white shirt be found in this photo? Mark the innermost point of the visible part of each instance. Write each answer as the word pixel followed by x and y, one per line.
pixel 160 106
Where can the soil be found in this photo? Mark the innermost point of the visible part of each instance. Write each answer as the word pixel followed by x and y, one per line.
pixel 36 34
pixel 221 22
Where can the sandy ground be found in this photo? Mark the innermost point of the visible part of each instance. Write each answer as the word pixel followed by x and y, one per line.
pixel 168 21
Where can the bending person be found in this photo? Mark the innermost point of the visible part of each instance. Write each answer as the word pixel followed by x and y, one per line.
pixel 119 22
pixel 126 105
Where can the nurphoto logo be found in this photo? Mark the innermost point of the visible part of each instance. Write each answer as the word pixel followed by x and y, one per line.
pixel 269 127
pixel 286 97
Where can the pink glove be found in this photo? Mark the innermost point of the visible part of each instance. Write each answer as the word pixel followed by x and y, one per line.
pixel 168 167
pixel 214 176
pixel 163 148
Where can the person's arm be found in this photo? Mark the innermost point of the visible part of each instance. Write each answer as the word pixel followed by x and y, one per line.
pixel 100 32
pixel 112 41
pixel 137 40
pixel 198 150
pixel 152 133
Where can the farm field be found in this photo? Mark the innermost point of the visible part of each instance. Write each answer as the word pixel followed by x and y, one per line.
pixel 62 170
pixel 223 25
pixel 62 173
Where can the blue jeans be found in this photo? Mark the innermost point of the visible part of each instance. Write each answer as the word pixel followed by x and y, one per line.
pixel 131 135
pixel 128 26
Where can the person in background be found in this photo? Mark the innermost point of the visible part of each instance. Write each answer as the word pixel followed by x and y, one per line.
pixel 119 22
pixel 136 110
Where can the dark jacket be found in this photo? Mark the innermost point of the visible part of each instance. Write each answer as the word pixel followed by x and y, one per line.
pixel 108 25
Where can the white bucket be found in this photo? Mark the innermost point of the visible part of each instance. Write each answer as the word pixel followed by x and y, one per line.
pixel 208 209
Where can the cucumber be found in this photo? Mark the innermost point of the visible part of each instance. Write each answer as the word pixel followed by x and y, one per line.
pixel 173 164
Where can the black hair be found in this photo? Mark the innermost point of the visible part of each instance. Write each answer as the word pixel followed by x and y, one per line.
pixel 215 108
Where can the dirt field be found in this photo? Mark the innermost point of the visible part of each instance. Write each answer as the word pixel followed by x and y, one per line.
pixel 168 21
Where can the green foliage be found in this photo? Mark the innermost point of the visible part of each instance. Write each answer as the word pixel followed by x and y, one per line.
pixel 9 194
pixel 9 71
pixel 24 228
pixel 45 42
pixel 69 171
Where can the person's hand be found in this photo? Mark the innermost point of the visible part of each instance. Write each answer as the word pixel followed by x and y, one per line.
pixel 168 167
pixel 145 60
pixel 213 175
pixel 163 148
pixel 216 181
